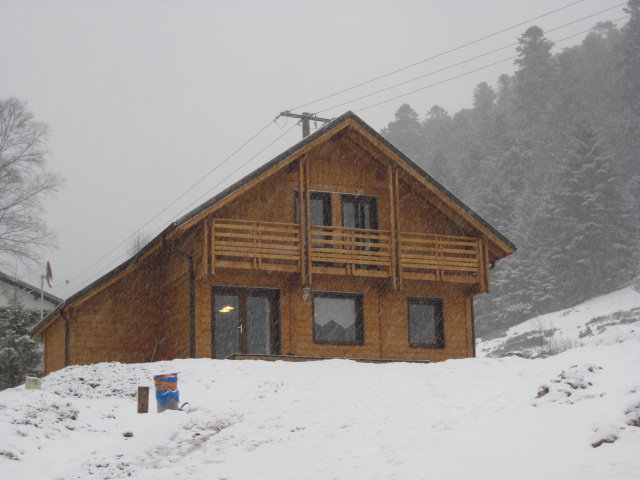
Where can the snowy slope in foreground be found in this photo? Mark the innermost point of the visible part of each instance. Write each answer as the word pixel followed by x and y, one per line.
pixel 462 419
pixel 602 320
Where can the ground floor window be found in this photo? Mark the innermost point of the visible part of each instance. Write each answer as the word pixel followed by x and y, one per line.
pixel 338 318
pixel 426 322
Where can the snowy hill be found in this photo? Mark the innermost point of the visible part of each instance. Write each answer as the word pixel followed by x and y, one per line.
pixel 602 320
pixel 571 415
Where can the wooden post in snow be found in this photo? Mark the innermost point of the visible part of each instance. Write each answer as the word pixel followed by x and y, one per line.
pixel 143 399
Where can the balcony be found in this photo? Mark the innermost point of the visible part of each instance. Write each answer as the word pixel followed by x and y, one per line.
pixel 272 246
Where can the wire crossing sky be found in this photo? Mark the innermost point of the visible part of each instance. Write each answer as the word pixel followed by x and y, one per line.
pixel 154 106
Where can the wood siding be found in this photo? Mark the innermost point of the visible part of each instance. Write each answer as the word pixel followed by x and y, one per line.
pixel 119 323
pixel 54 347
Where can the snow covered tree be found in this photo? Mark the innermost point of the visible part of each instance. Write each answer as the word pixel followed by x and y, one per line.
pixel 406 131
pixel 20 354
pixel 597 233
pixel 630 57
pixel 439 142
pixel 483 98
pixel 552 162
pixel 536 72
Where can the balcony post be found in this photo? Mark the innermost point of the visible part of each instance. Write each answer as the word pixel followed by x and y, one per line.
pixel 393 267
pixel 485 265
pixel 396 230
pixel 303 220
pixel 212 230
pixel 206 247
pixel 307 209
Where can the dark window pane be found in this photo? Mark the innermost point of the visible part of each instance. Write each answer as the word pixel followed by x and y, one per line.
pixel 227 320
pixel 426 327
pixel 258 326
pixel 317 211
pixel 365 215
pixel 319 206
pixel 348 215
pixel 422 324
pixel 359 211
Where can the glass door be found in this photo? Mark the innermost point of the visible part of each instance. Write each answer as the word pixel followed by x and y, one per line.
pixel 244 321
pixel 361 211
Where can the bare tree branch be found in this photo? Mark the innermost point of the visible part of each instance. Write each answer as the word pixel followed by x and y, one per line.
pixel 24 182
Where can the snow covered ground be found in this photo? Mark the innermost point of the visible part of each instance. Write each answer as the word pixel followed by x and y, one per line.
pixel 484 418
pixel 602 320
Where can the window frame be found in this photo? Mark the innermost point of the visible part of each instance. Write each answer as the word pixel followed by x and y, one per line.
pixel 359 320
pixel 327 207
pixel 372 200
pixel 438 304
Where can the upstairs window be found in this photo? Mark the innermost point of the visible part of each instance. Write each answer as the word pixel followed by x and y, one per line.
pixel 359 211
pixel 320 206
pixel 338 318
pixel 426 322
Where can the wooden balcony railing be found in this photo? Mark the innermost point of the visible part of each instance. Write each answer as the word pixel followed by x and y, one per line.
pixel 334 250
pixel 256 245
pixel 350 251
pixel 442 258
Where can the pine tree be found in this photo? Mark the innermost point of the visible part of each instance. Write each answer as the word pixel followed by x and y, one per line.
pixel 438 139
pixel 20 354
pixel 534 80
pixel 483 99
pixel 406 132
pixel 630 57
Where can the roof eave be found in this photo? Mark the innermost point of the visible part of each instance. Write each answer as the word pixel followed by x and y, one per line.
pixel 155 242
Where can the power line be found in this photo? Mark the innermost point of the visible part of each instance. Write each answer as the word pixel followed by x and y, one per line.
pixel 189 206
pixel 350 101
pixel 448 67
pixel 471 71
pixel 401 69
pixel 208 192
pixel 228 157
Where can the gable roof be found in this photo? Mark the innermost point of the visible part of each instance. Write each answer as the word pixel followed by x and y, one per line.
pixel 287 154
pixel 203 210
pixel 27 287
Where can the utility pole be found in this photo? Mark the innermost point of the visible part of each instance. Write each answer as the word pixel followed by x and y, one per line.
pixel 47 276
pixel 306 117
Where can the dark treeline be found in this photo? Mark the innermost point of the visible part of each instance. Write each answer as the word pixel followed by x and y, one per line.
pixel 551 158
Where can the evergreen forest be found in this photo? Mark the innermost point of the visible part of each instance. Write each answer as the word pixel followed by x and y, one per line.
pixel 550 156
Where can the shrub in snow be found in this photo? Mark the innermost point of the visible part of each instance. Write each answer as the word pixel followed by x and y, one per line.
pixel 571 385
pixel 632 415
pixel 604 434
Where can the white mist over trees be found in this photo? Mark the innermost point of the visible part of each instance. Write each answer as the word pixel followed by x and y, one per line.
pixel 550 158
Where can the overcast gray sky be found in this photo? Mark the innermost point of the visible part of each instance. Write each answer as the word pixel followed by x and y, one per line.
pixel 143 98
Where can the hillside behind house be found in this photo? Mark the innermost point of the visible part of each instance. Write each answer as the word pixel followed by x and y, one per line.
pixel 605 319
pixel 571 415
pixel 549 156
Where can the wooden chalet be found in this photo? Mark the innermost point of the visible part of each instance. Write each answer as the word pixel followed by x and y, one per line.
pixel 339 247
